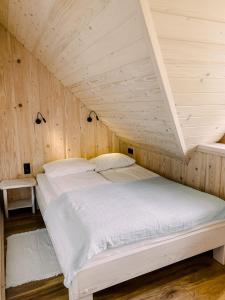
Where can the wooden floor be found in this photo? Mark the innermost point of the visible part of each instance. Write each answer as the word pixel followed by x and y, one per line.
pixel 196 278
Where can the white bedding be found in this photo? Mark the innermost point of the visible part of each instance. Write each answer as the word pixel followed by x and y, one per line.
pixel 76 182
pixel 51 188
pixel 47 192
pixel 127 174
pixel 89 221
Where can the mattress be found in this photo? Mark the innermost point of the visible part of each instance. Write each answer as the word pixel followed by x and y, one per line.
pixel 50 189
pixel 44 192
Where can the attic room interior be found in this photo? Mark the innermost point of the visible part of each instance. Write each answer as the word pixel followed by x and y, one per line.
pixel 112 153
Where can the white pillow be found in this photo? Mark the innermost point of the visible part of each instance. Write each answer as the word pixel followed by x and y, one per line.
pixel 111 161
pixel 67 166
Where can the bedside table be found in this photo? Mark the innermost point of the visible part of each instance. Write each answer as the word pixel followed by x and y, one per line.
pixel 6 185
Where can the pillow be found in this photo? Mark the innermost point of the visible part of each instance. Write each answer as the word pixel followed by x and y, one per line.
pixel 68 166
pixel 111 161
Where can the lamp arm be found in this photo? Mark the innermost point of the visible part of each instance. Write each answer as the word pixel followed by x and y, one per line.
pixel 89 118
pixel 39 113
pixel 40 118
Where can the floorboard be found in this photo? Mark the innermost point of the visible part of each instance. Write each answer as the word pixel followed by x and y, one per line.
pixel 196 278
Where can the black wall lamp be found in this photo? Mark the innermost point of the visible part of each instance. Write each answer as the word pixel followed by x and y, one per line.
pixel 89 118
pixel 40 118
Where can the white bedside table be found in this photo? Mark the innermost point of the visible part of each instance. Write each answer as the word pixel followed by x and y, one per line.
pixel 6 185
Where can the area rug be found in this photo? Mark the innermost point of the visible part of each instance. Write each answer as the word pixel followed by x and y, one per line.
pixel 30 256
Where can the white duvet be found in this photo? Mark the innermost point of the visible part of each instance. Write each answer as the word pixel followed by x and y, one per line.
pixel 128 174
pixel 86 222
pixel 80 181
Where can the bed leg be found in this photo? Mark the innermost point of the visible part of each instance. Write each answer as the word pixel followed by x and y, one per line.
pixel 88 297
pixel 219 254
pixel 72 296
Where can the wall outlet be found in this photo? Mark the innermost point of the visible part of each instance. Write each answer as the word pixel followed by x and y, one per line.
pixel 130 151
pixel 26 168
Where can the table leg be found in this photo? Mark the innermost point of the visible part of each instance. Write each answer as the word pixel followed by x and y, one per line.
pixel 33 200
pixel 5 197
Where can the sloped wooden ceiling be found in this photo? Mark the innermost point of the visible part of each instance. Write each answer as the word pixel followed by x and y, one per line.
pixel 192 39
pixel 101 50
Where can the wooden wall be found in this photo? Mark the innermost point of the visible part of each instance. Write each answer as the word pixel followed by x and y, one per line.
pixel 204 171
pixel 27 87
pixel 101 50
pixel 192 39
pixel 115 75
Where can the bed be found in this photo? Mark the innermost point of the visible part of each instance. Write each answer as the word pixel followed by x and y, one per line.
pixel 49 190
pixel 118 264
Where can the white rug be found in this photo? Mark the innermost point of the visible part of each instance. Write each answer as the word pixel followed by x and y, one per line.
pixel 30 256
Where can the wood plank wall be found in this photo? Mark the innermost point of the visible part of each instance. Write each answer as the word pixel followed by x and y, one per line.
pixel 103 54
pixel 204 171
pixel 191 35
pixel 26 87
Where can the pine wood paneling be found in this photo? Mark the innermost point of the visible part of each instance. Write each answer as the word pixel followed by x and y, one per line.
pixel 102 51
pixel 202 9
pixel 107 53
pixel 4 12
pixel 213 174
pixel 203 171
pixel 32 27
pixel 189 29
pixel 191 35
pixel 26 87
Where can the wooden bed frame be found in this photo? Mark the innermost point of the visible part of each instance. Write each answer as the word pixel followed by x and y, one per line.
pixel 129 263
pixel 2 256
pixel 123 263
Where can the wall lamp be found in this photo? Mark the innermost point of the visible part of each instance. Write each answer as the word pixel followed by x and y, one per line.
pixel 89 118
pixel 40 118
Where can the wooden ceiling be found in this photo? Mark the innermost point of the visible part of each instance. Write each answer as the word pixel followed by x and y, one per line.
pixel 191 34
pixel 104 52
